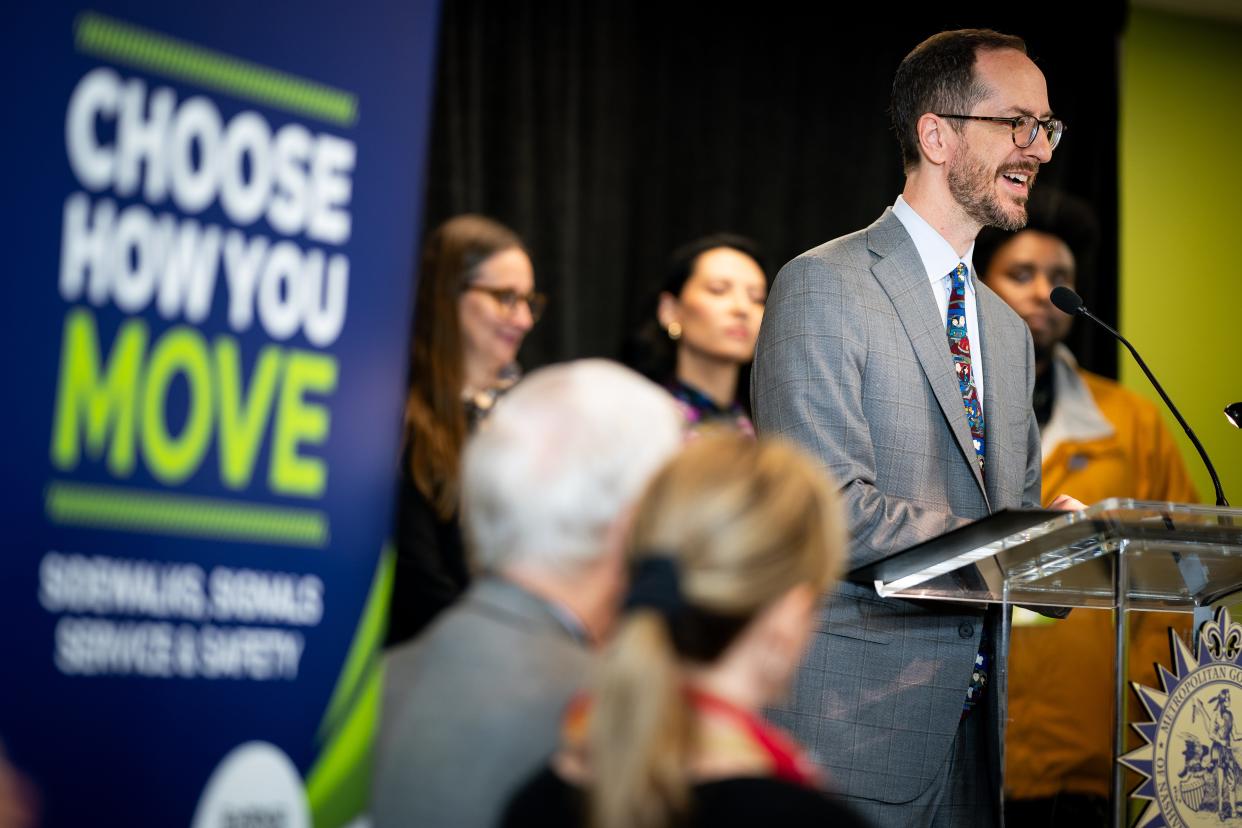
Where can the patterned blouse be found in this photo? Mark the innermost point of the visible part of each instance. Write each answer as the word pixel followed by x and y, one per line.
pixel 479 405
pixel 701 412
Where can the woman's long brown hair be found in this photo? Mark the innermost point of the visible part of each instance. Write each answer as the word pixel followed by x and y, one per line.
pixel 435 421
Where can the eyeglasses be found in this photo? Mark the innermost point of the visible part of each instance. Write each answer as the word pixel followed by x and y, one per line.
pixel 508 299
pixel 1025 127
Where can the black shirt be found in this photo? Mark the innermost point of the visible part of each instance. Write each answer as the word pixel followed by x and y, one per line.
pixel 549 802
pixel 430 572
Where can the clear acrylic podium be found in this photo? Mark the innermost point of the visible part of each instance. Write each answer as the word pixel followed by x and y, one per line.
pixel 1124 555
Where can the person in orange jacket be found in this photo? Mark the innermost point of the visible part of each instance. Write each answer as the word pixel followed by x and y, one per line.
pixel 1099 440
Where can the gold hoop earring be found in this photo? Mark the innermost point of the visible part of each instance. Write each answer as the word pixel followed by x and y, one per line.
pixel 674 331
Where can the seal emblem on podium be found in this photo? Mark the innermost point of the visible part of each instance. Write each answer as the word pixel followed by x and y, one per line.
pixel 1192 759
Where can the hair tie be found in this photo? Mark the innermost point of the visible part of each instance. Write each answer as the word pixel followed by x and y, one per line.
pixel 655 583
pixel 696 634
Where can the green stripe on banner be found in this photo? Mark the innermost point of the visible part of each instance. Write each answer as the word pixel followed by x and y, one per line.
pixel 160 513
pixel 144 49
pixel 339 783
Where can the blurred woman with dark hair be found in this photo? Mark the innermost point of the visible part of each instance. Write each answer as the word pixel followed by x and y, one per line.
pixel 736 542
pixel 706 321
pixel 476 303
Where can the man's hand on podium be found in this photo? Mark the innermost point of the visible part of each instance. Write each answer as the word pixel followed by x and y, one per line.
pixel 1067 504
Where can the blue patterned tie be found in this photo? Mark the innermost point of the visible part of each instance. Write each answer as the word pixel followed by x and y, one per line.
pixel 959 346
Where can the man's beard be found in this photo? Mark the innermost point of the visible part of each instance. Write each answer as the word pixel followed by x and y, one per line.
pixel 974 189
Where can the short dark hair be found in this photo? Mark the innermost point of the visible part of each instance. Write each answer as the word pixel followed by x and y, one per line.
pixel 939 76
pixel 1050 211
pixel 683 259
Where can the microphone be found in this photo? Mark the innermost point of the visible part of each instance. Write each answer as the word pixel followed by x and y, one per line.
pixel 1234 412
pixel 1067 301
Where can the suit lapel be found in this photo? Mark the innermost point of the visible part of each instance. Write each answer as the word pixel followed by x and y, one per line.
pixel 994 378
pixel 901 274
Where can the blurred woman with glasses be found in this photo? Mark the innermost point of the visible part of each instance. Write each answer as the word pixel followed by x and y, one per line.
pixel 476 303
pixel 702 334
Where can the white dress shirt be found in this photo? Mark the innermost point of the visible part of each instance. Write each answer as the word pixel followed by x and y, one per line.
pixel 1076 417
pixel 940 259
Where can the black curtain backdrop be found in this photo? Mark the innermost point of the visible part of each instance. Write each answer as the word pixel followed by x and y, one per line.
pixel 607 133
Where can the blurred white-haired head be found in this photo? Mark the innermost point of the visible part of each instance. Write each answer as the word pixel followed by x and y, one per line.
pixel 562 456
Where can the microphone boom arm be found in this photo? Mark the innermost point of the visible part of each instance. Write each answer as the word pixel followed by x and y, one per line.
pixel 1220 494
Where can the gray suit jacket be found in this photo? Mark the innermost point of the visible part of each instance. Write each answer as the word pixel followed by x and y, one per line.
pixel 853 363
pixel 473 708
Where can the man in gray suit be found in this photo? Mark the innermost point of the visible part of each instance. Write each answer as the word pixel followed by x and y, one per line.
pixel 473 707
pixel 912 382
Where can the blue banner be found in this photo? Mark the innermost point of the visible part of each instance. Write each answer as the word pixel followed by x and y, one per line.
pixel 213 212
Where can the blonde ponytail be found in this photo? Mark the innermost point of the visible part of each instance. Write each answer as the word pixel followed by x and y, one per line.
pixel 725 529
pixel 641 714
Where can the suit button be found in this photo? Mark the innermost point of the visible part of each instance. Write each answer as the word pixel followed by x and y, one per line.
pixel 965 629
